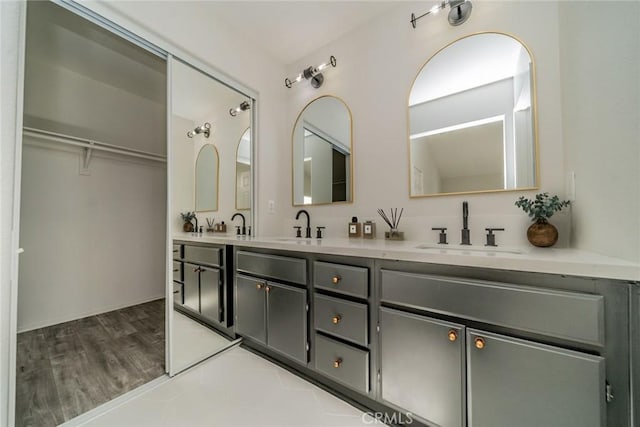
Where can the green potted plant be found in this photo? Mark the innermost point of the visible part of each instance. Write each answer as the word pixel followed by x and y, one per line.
pixel 541 233
pixel 187 217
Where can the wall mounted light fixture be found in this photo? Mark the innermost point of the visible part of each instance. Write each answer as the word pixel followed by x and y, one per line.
pixel 244 106
pixel 314 74
pixel 458 15
pixel 203 129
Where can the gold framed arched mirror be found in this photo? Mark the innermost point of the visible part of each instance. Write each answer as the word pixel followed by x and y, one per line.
pixel 243 171
pixel 472 119
pixel 323 153
pixel 207 166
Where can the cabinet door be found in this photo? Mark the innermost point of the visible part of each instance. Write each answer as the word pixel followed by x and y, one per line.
pixel 514 382
pixel 210 290
pixel 287 320
pixel 192 286
pixel 422 366
pixel 250 310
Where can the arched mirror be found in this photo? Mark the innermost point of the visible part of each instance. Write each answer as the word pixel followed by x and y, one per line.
pixel 472 119
pixel 243 171
pixel 322 150
pixel 207 179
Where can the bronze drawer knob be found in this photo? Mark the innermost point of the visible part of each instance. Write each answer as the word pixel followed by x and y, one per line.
pixel 480 344
pixel 453 335
pixel 336 319
pixel 337 363
pixel 336 279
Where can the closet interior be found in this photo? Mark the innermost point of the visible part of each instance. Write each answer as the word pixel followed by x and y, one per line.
pixel 91 309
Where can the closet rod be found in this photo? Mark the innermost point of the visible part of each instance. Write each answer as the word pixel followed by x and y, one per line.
pixel 92 145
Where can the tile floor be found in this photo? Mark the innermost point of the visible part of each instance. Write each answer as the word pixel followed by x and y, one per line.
pixel 234 388
pixel 193 342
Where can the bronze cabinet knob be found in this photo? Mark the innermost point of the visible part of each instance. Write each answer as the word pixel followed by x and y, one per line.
pixel 260 286
pixel 336 319
pixel 337 363
pixel 336 279
pixel 452 335
pixel 479 342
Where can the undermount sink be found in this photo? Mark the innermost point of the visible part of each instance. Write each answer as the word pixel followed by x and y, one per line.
pixel 462 249
pixel 299 240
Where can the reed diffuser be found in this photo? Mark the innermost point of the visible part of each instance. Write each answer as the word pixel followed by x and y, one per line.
pixel 392 220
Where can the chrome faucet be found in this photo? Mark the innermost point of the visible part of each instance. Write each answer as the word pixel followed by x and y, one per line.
pixel 466 234
pixel 244 229
pixel 302 211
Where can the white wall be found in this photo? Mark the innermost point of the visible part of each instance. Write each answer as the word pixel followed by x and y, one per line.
pixel 600 51
pixel 66 101
pixel 92 243
pixel 376 67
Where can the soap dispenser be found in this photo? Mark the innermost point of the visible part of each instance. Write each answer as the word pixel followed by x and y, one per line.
pixel 355 228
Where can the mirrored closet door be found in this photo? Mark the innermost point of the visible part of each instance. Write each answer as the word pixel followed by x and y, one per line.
pixel 91 288
pixel 211 176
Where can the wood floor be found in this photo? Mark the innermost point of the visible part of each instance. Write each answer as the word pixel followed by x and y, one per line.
pixel 70 368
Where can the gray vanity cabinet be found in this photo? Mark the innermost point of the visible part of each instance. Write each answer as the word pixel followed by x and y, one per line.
pixel 272 314
pixel 514 382
pixel 422 366
pixel 505 381
pixel 211 293
pixel 178 282
pixel 269 311
pixel 287 320
pixel 202 290
pixel 199 276
pixel 251 309
pixel 192 286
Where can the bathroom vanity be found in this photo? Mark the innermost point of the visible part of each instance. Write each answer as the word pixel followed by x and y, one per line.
pixel 397 329
pixel 200 283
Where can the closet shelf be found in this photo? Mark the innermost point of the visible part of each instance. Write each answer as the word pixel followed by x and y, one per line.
pixel 90 145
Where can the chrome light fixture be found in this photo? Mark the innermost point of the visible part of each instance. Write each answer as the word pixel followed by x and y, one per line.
pixel 244 106
pixel 314 74
pixel 204 129
pixel 458 15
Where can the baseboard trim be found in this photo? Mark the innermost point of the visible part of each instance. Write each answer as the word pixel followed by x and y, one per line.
pixel 114 403
pixel 88 314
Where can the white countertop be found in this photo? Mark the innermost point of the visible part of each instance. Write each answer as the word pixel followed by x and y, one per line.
pixel 542 260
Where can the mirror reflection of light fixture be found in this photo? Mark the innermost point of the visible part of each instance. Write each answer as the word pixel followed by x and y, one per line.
pixel 203 129
pixel 314 74
pixel 458 15
pixel 244 106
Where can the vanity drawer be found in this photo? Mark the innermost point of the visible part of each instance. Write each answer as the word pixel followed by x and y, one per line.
pixel 342 363
pixel 289 269
pixel 341 318
pixel 178 297
pixel 569 315
pixel 203 255
pixel 343 279
pixel 176 252
pixel 177 271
